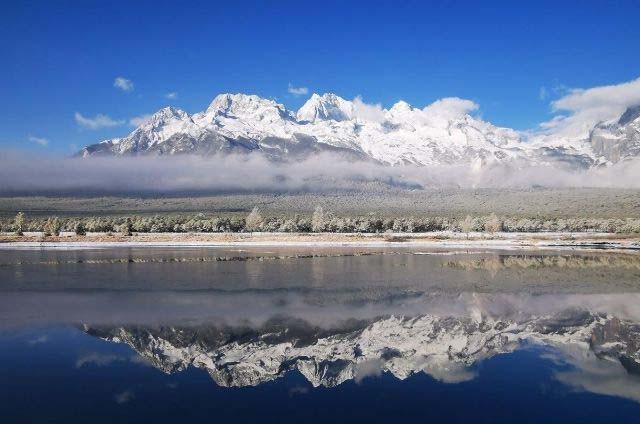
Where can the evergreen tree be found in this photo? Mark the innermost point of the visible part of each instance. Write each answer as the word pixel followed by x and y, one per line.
pixel 127 228
pixel 80 229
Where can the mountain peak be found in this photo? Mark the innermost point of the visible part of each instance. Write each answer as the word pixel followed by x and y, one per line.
pixel 228 102
pixel 326 107
pixel 247 105
pixel 165 116
pixel 170 112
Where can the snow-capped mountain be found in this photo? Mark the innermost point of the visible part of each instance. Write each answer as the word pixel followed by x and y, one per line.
pixel 442 133
pixel 325 108
pixel 444 347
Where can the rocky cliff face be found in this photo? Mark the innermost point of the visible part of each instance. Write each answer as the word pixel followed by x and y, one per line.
pixel 614 141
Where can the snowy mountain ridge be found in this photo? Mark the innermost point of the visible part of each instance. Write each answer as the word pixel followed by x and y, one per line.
pixel 443 133
pixel 445 347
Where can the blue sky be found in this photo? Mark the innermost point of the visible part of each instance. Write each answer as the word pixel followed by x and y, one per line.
pixel 60 58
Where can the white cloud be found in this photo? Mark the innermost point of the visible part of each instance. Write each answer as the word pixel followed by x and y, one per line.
pixel 124 397
pixel 97 122
pixel 450 108
pixel 368 112
pixel 298 390
pixel 437 113
pixel 297 91
pixel 39 340
pixel 370 368
pixel 591 374
pixel 104 359
pixel 543 94
pixel 123 84
pixel 580 109
pixel 171 96
pixel 440 113
pixel 39 140
pixel 98 359
pixel 139 120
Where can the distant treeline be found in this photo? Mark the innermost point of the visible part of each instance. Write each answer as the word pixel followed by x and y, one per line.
pixel 319 221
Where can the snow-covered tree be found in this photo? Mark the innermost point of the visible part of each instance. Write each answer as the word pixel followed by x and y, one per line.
pixel 289 226
pixel 254 221
pixel 19 224
pixel 52 227
pixel 467 225
pixel 318 220
pixel 493 224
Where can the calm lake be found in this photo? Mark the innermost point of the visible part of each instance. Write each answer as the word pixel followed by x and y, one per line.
pixel 319 335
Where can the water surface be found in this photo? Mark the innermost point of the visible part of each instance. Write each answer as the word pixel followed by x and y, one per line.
pixel 318 334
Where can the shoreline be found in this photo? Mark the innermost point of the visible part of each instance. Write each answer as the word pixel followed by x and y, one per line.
pixel 573 241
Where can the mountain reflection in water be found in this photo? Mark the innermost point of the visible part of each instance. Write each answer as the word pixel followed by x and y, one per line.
pixel 255 318
pixel 444 346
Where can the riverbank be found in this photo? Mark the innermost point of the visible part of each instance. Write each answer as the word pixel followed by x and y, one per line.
pixel 443 239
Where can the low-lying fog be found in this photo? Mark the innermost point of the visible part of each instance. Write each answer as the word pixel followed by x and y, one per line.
pixel 20 173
